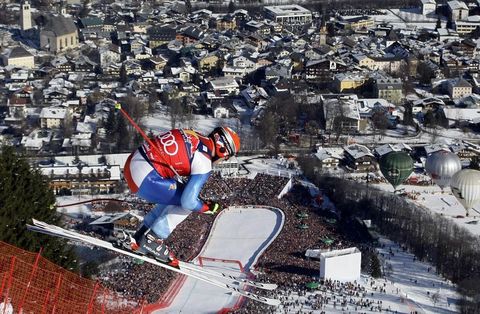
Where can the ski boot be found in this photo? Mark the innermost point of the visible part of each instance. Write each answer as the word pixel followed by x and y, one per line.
pixel 146 242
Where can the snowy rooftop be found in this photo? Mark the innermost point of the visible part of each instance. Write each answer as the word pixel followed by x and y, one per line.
pixel 53 113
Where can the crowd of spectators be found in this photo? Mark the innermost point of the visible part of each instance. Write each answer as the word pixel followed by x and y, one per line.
pixel 284 262
pixel 148 282
pixel 330 295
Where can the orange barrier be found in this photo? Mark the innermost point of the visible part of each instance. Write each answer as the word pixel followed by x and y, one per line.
pixel 34 284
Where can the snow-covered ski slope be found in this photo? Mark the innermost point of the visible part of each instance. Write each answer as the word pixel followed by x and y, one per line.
pixel 237 239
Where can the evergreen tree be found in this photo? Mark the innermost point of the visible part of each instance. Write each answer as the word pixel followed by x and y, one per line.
pixel 375 266
pixel 122 135
pixel 110 125
pixel 188 6
pixel 231 7
pixel 24 195
pixel 475 163
pixel 123 75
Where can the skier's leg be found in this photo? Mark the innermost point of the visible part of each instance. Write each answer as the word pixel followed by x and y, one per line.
pixel 168 220
pixel 153 215
pixel 149 239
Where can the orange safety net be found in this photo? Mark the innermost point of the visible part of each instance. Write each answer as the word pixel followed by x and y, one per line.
pixel 36 285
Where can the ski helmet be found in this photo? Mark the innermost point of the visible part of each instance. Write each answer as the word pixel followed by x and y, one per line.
pixel 227 142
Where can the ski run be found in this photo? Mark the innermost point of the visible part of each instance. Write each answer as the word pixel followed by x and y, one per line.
pixel 185 268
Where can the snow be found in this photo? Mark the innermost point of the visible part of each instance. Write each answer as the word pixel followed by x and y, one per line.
pixel 255 229
pixel 408 287
pixel 441 202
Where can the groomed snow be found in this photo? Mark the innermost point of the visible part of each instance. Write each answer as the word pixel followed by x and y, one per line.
pixel 238 234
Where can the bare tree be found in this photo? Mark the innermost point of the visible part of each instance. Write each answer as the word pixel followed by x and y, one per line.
pixel 435 297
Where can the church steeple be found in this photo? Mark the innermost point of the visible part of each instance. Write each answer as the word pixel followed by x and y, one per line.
pixel 323 31
pixel 26 16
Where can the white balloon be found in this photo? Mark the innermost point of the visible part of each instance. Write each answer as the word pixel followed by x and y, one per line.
pixel 465 186
pixel 441 166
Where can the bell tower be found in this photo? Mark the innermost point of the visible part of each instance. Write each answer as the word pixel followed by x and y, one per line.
pixel 25 16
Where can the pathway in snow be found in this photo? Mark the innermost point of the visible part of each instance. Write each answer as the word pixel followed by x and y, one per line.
pixel 238 237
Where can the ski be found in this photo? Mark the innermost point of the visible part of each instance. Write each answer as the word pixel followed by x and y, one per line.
pixel 253 283
pixel 41 227
pixel 187 265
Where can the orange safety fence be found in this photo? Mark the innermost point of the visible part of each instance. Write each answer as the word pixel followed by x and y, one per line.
pixel 33 284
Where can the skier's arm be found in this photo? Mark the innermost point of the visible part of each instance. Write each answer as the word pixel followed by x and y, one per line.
pixel 193 188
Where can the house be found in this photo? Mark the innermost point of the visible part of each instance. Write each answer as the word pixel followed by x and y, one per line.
pixel 257 27
pixel 428 7
pixel 322 70
pixel 256 41
pixel 459 88
pixel 458 117
pixel 356 23
pixel 53 118
pixel 208 62
pixel 254 96
pixel 226 22
pixel 224 86
pixel 133 67
pixel 278 71
pixel 37 139
pixel 189 35
pixel 159 35
pixel 427 104
pixel 18 57
pixel 19 101
pixel 466 151
pixel 239 67
pixel 390 89
pixel 348 81
pixel 341 113
pixel 368 106
pixel 384 149
pixel 220 111
pixel 84 64
pixel 359 158
pixel 364 61
pixel 109 55
pixel 457 10
pixel 329 157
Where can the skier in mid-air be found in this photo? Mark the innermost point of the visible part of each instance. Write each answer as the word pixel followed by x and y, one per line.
pixel 154 174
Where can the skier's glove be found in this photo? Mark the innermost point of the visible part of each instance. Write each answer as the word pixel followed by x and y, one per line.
pixel 211 208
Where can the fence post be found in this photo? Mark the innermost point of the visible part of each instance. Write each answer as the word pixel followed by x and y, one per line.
pixel 9 285
pixel 34 270
pixel 92 299
pixel 45 303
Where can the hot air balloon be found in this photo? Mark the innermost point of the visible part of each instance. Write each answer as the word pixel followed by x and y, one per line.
pixel 441 166
pixel 465 185
pixel 396 167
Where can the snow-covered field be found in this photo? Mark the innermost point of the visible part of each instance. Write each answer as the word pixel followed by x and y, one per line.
pixel 443 203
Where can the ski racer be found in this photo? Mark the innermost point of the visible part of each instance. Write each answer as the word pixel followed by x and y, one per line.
pixel 154 174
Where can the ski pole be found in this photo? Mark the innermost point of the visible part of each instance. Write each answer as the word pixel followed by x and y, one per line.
pixel 118 106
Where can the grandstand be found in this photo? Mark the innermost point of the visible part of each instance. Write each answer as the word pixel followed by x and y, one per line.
pixel 36 285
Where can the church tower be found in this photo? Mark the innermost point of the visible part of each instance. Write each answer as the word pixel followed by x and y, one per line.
pixel 25 16
pixel 323 31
